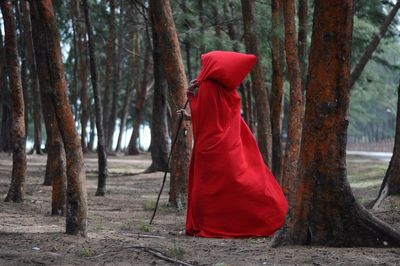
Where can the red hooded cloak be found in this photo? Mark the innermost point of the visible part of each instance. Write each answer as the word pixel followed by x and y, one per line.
pixel 231 191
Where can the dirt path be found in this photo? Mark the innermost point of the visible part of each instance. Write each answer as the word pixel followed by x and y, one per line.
pixel 119 233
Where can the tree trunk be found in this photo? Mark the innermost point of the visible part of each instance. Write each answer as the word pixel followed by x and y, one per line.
pixel 133 146
pixel 323 210
pixel 355 74
pixel 82 55
pixel 276 90
pixel 34 79
pixel 159 146
pixel 391 181
pixel 109 67
pixel 116 83
pixel 6 142
pixel 128 95
pixel 53 84
pixel 6 120
pixel 74 83
pixel 16 190
pixel 101 152
pixel 92 118
pixel 302 14
pixel 163 24
pixel 264 136
pixel 292 149
pixel 56 174
pixel 140 101
pixel 201 22
pixel 23 67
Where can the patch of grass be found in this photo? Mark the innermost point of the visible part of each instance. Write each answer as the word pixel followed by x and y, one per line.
pixel 86 252
pixel 149 205
pixel 127 226
pixel 220 264
pixel 176 252
pixel 98 227
pixel 163 208
pixel 144 226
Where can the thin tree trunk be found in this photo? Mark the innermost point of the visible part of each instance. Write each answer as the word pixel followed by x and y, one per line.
pixel 355 74
pixel 133 146
pixel 127 99
pixel 34 79
pixel 302 14
pixel 276 90
pixel 109 69
pixel 201 22
pixel 92 118
pixel 140 100
pixel 264 135
pixel 6 141
pixel 116 82
pixel 391 181
pixel 243 94
pixel 82 55
pixel 16 190
pixel 23 67
pixel 101 152
pixel 323 210
pixel 163 24
pixel 292 149
pixel 74 83
pixel 53 84
pixel 250 108
pixel 159 146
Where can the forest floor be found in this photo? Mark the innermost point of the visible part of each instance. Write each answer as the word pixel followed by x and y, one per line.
pixel 119 234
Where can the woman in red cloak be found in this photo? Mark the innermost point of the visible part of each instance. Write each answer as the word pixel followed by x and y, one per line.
pixel 231 191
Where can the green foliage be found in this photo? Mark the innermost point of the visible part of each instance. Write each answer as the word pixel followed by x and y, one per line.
pixel 144 226
pixel 373 95
pixel 86 252
pixel 176 252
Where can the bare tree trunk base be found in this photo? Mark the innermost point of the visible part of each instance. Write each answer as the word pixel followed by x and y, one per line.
pixel 156 168
pixel 100 192
pixel 57 212
pixel 362 229
pixel 14 197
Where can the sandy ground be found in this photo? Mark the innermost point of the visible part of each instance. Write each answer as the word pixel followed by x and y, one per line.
pixel 119 233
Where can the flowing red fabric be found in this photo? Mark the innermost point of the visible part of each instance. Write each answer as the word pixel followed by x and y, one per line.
pixel 231 191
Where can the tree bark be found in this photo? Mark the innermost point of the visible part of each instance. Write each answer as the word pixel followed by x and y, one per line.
pixel 323 210
pixel 264 136
pixel 34 79
pixel 292 149
pixel 163 24
pixel 128 95
pixel 101 152
pixel 302 14
pixel 56 174
pixel 53 84
pixel 116 81
pixel 92 127
pixel 6 142
pixel 16 190
pixel 82 56
pixel 23 67
pixel 159 146
pixel 109 69
pixel 355 74
pixel 133 146
pixel 141 91
pixel 276 90
pixel 391 181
